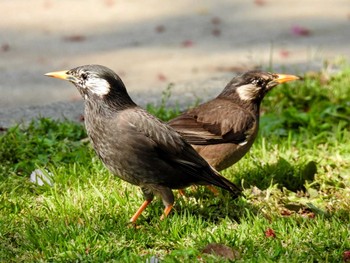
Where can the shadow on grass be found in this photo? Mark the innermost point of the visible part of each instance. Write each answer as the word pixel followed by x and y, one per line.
pixel 282 173
pixel 200 202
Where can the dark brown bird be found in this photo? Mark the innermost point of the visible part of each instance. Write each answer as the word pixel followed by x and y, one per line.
pixel 133 144
pixel 223 130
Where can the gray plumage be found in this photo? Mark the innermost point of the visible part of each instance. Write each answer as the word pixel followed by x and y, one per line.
pixel 135 145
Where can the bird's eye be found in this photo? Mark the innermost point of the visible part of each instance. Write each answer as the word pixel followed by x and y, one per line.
pixel 259 82
pixel 255 81
pixel 84 76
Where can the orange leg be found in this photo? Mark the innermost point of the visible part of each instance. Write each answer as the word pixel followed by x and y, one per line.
pixel 213 190
pixel 182 192
pixel 139 211
pixel 166 211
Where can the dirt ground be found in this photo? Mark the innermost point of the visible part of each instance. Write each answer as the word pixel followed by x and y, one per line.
pixel 152 43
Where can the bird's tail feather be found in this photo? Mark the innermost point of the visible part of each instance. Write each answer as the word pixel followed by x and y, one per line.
pixel 224 183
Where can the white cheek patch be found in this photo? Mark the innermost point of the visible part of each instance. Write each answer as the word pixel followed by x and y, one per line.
pixel 248 92
pixel 98 86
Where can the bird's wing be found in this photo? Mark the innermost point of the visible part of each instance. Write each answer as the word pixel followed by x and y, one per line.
pixel 214 122
pixel 163 144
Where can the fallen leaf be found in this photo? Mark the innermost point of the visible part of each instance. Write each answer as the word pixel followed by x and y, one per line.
pixel 346 256
pixel 307 213
pixel 300 31
pixel 109 2
pixel 160 29
pixel 161 77
pixel 216 32
pixel 40 178
pixel 5 47
pixel 270 233
pixel 284 53
pixel 216 21
pixel 259 2
pixel 221 250
pixel 47 4
pixel 74 38
pixel 187 43
pixel 311 215
pixel 286 212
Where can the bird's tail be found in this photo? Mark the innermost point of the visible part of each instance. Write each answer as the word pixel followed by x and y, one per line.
pixel 222 182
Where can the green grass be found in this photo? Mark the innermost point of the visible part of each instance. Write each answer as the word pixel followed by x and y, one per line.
pixel 296 180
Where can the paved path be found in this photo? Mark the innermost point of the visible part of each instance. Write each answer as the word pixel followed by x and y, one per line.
pixel 152 43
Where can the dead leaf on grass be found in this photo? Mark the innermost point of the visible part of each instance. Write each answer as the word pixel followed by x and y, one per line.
pixel 270 233
pixel 221 250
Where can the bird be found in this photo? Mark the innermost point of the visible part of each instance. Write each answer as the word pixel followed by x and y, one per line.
pixel 223 129
pixel 135 145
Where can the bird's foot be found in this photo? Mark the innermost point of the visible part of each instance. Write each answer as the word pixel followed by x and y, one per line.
pixel 139 211
pixel 166 211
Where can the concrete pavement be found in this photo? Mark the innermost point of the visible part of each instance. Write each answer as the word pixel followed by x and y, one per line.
pixel 198 45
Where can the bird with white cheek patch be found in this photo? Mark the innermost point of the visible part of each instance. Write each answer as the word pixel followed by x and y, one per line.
pixel 223 130
pixel 133 144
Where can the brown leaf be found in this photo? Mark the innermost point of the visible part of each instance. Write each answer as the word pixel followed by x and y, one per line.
pixel 74 38
pixel 48 4
pixel 307 213
pixel 270 233
pixel 216 32
pixel 221 250
pixel 216 21
pixel 259 2
pixel 300 31
pixel 286 212
pixel 187 43
pixel 161 77
pixel 5 47
pixel 346 256
pixel 160 29
pixel 284 53
pixel 109 3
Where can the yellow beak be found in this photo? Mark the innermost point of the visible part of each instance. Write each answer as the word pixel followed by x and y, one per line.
pixel 58 74
pixel 285 78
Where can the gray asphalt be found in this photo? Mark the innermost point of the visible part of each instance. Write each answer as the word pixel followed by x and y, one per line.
pixel 198 46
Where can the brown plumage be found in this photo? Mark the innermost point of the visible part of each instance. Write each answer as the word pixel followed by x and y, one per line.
pixel 134 145
pixel 223 130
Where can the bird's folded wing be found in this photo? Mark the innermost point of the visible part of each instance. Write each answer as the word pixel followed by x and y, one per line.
pixel 157 141
pixel 165 141
pixel 214 122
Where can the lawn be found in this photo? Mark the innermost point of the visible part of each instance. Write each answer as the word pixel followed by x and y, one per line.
pixel 295 207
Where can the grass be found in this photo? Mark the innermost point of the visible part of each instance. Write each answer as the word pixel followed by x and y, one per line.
pixel 295 206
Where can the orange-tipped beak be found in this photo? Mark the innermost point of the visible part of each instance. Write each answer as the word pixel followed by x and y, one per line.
pixel 282 78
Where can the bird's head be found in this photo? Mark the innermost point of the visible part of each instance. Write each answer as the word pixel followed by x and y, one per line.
pixel 92 81
pixel 252 86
